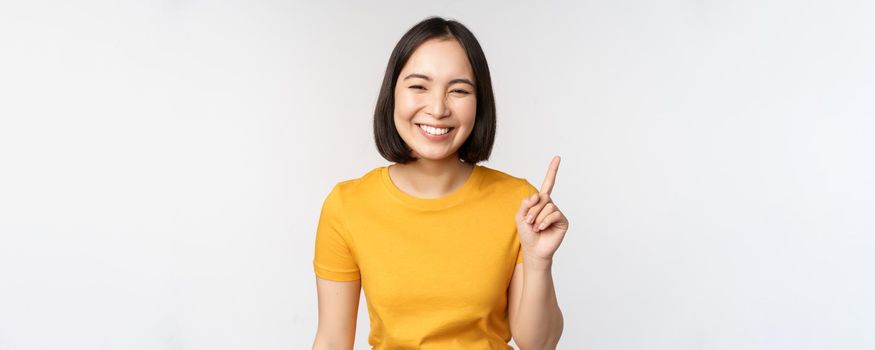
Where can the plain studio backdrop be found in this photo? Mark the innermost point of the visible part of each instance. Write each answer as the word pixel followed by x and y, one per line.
pixel 163 165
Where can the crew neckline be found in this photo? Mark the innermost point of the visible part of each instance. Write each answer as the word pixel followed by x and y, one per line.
pixel 455 197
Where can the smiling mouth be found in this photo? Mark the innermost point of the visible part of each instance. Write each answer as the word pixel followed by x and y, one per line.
pixel 448 127
pixel 433 130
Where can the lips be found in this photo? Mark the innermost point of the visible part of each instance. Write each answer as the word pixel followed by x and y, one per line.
pixel 435 126
pixel 434 137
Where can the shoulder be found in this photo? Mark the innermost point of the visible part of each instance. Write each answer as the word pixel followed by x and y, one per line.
pixel 355 187
pixel 504 182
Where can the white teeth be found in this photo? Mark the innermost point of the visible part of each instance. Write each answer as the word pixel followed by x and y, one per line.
pixel 434 131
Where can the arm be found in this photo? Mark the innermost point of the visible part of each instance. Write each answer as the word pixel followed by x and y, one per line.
pixel 535 318
pixel 338 309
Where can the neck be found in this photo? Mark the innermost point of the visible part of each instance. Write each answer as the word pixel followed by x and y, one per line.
pixel 427 178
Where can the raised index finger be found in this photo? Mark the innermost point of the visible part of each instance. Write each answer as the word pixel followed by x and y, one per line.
pixel 550 179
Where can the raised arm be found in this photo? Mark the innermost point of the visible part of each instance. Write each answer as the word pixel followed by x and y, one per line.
pixel 535 318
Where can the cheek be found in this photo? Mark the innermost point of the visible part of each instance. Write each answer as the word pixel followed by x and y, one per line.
pixel 405 105
pixel 466 111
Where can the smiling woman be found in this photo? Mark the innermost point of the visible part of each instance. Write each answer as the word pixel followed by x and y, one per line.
pixel 438 70
pixel 438 242
pixel 434 106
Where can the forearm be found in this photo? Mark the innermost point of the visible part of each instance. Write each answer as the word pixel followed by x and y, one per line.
pixel 539 320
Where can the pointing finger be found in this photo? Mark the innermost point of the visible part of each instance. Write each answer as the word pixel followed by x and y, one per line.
pixel 550 179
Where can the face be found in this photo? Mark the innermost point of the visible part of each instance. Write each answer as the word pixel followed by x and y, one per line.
pixel 435 92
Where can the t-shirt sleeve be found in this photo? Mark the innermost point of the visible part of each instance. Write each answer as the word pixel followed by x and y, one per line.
pixel 333 259
pixel 528 190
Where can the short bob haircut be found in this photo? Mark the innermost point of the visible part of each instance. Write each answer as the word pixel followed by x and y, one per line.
pixel 478 146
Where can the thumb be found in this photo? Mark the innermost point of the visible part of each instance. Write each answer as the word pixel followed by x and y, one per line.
pixel 526 203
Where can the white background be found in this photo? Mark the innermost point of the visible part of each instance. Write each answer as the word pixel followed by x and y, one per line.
pixel 163 164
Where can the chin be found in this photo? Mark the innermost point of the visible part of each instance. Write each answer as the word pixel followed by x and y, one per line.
pixel 432 156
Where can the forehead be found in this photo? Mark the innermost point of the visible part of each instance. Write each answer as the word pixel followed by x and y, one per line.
pixel 439 58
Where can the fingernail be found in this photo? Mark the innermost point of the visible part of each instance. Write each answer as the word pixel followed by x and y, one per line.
pixel 529 219
pixel 533 197
pixel 542 227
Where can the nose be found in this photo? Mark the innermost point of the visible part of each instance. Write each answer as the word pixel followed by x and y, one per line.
pixel 438 106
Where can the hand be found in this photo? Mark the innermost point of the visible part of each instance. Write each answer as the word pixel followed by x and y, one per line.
pixel 540 224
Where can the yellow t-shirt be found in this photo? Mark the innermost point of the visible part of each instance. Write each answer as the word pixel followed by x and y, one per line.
pixel 435 272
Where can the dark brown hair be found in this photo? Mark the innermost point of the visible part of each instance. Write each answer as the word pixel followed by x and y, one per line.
pixel 478 146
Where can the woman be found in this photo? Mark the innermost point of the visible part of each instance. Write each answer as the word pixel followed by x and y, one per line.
pixel 439 243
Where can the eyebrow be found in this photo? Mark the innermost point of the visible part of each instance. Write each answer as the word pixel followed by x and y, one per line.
pixel 421 76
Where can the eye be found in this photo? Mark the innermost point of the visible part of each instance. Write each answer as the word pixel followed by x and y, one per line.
pixel 417 87
pixel 460 91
